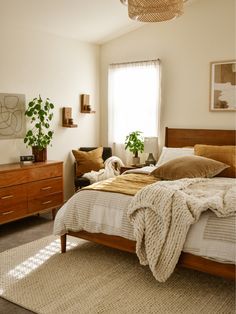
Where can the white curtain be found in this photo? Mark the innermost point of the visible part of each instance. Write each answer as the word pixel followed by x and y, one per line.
pixel 133 102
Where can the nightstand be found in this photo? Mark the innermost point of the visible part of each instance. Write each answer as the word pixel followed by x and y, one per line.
pixel 124 168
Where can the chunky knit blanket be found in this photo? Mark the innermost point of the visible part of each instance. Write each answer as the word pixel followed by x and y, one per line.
pixel 162 213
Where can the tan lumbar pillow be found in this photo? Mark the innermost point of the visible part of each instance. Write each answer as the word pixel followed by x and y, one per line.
pixel 189 167
pixel 225 154
pixel 88 161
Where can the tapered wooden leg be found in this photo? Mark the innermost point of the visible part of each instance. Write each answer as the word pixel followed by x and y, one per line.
pixel 54 212
pixel 63 243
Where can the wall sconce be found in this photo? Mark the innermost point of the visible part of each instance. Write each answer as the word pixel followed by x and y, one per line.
pixel 151 147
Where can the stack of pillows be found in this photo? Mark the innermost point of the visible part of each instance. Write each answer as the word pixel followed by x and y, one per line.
pixel 205 161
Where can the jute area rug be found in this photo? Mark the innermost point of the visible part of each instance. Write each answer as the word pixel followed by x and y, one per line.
pixel 91 278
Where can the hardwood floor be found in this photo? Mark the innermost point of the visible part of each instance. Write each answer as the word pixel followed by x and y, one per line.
pixel 17 233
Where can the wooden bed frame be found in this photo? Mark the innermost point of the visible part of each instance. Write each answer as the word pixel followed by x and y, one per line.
pixel 174 138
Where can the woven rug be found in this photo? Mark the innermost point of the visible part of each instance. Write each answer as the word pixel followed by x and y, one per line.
pixel 91 278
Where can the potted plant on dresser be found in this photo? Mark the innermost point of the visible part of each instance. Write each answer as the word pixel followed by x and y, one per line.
pixel 40 135
pixel 135 143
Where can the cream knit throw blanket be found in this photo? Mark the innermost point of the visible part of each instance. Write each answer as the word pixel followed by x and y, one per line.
pixel 162 213
pixel 110 170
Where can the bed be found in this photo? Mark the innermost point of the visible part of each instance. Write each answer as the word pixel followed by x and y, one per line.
pixel 173 138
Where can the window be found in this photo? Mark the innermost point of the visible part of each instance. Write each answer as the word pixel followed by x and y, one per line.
pixel 133 98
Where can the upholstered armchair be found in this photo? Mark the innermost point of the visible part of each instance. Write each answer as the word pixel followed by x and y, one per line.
pixel 79 180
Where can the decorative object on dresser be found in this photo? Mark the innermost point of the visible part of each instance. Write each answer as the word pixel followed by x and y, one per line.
pixel 67 121
pixel 151 147
pixel 12 118
pixel 223 86
pixel 85 106
pixel 134 143
pixel 29 159
pixel 40 135
pixel 29 189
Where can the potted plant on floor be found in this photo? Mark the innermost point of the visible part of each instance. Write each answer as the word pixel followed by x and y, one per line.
pixel 135 143
pixel 40 135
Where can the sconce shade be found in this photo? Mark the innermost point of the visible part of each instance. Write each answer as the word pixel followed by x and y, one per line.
pixel 154 10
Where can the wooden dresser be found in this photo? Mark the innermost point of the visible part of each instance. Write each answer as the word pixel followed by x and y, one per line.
pixel 29 189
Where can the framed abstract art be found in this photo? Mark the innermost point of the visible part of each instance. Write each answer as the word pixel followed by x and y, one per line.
pixel 12 116
pixel 223 86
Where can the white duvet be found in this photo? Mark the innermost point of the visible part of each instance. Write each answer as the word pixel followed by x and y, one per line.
pixel 106 212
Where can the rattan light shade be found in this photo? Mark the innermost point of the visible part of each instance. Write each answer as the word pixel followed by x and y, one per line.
pixel 154 10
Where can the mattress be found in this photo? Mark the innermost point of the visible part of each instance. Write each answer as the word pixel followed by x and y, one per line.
pixel 106 212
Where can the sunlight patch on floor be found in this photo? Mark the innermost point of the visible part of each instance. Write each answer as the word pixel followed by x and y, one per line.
pixel 33 262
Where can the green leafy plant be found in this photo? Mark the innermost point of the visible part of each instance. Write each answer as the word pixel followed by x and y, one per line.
pixel 40 113
pixel 134 142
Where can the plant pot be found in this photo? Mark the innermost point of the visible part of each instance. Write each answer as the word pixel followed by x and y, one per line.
pixel 39 155
pixel 136 160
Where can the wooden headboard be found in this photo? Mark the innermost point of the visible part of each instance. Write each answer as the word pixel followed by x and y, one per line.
pixel 190 137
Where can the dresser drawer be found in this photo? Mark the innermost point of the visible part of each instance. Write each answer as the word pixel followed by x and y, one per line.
pixel 12 214
pixel 46 172
pixel 14 197
pixel 45 187
pixel 13 178
pixel 46 202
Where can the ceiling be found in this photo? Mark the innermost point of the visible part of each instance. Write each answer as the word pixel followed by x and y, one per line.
pixel 95 21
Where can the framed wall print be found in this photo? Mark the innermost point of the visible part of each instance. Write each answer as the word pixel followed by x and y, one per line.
pixel 223 86
pixel 12 116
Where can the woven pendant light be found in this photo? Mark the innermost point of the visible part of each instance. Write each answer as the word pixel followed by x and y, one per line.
pixel 154 10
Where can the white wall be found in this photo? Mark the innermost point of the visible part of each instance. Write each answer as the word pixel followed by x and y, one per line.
pixel 206 32
pixel 58 68
pixel 32 62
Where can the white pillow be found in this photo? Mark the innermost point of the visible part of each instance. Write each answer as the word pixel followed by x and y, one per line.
pixel 169 153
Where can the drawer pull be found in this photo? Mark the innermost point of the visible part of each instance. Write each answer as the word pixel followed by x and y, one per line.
pixel 46 188
pixel 6 197
pixel 8 213
pixel 47 202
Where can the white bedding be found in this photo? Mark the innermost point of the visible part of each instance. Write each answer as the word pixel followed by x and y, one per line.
pixel 106 212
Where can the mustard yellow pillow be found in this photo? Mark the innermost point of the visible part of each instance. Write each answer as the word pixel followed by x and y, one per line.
pixel 189 167
pixel 88 161
pixel 225 154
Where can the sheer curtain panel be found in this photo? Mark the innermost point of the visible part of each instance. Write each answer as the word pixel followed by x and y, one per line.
pixel 133 102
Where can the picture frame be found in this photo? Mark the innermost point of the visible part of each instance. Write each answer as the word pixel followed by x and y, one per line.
pixel 12 116
pixel 223 86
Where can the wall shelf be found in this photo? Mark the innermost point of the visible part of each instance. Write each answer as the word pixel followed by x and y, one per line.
pixel 84 103
pixel 69 125
pixel 88 111
pixel 67 121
